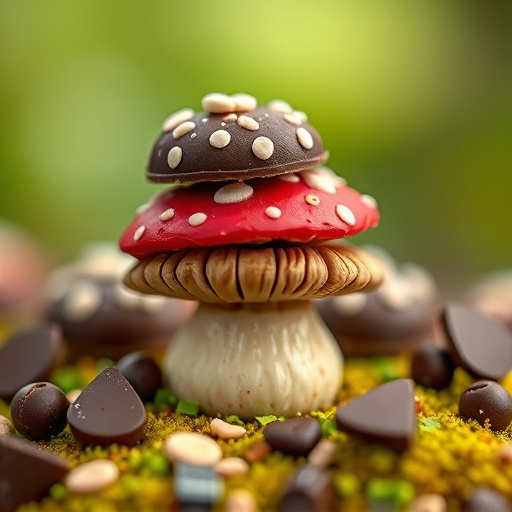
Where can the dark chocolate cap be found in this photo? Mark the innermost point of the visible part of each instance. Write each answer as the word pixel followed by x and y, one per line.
pixel 234 144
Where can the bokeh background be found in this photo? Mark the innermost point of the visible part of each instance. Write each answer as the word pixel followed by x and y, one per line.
pixel 412 99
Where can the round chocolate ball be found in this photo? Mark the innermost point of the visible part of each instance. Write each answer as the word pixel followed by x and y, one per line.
pixel 432 367
pixel 38 411
pixel 487 400
pixel 142 372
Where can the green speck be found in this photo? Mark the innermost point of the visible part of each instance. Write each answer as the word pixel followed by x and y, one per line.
pixel 164 398
pixel 395 492
pixel 68 379
pixel 188 407
pixel 265 420
pixel 429 424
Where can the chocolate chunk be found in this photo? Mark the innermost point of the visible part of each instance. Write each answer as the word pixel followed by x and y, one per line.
pixel 310 489
pixel 108 411
pixel 481 345
pixel 386 415
pixel 26 472
pixel 296 437
pixel 276 147
pixel 39 410
pixel 486 500
pixel 29 356
pixel 487 400
pixel 142 372
pixel 432 367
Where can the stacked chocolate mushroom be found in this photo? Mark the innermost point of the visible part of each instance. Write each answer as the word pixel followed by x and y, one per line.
pixel 251 232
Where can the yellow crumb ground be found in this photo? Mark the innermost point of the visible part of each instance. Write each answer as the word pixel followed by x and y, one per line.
pixel 451 456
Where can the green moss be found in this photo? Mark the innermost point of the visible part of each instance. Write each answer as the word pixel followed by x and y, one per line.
pixel 451 456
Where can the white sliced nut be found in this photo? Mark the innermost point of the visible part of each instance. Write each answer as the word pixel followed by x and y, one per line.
pixel 192 448
pixel 226 430
pixel 231 466
pixel 177 118
pixel 218 103
pixel 92 476
pixel 263 148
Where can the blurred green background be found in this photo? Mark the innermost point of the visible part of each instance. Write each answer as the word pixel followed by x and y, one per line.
pixel 412 99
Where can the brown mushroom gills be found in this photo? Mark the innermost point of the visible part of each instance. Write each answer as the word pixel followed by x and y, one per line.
pixel 255 344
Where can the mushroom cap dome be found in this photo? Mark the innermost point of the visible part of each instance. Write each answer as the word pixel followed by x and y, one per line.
pixel 234 140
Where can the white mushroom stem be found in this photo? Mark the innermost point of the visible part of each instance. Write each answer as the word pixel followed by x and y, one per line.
pixel 252 360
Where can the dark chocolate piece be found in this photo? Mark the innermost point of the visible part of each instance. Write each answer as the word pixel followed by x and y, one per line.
pixel 481 345
pixel 432 367
pixel 219 150
pixel 29 356
pixel 108 411
pixel 310 489
pixel 26 472
pixel 486 500
pixel 142 372
pixel 297 436
pixel 386 415
pixel 487 400
pixel 39 410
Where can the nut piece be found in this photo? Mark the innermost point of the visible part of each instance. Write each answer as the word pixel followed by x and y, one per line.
pixel 225 430
pixel 92 476
pixel 192 448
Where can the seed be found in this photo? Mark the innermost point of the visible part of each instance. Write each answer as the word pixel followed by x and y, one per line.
pixel 174 157
pixel 220 139
pixel 263 148
pixel 92 476
pixel 225 430
pixel 192 448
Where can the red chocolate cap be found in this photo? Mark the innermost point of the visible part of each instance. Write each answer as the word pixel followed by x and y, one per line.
pixel 311 205
pixel 234 138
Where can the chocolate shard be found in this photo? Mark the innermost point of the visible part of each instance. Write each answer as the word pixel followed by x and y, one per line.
pixel 478 343
pixel 26 472
pixel 310 489
pixel 297 436
pixel 29 356
pixel 385 415
pixel 108 411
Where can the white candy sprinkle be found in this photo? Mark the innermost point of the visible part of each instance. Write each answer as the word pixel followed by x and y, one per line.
pixel 226 430
pixel 82 301
pixel 369 201
pixel 230 118
pixel 177 118
pixel 290 177
pixel 183 129
pixel 273 212
pixel 193 135
pixel 192 448
pixel 263 148
pixel 220 139
pixel 345 214
pixel 319 179
pixel 138 233
pixel 233 193
pixel 167 214
pixel 293 119
pixel 304 137
pixel 231 466
pixel 244 102
pixel 248 123
pixel 223 123
pixel 312 199
pixel 174 157
pixel 92 476
pixel 217 103
pixel 197 219
pixel 301 115
pixel 280 106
